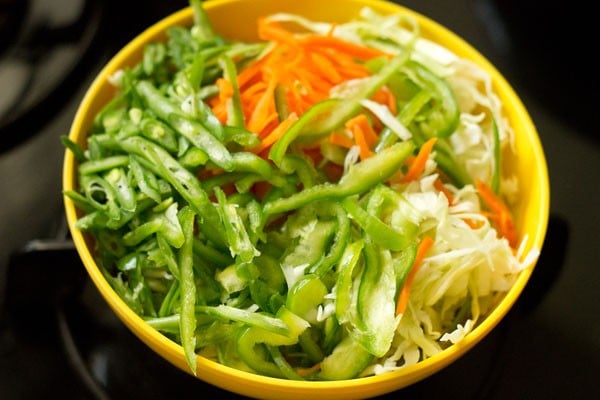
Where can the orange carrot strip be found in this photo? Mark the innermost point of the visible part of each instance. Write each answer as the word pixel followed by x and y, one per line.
pixel 360 128
pixel 418 165
pixel 442 188
pixel 499 213
pixel 326 68
pixel 345 47
pixel 359 138
pixel 339 139
pixel 276 133
pixel 271 30
pixel 422 249
pixel 264 108
pixel 309 370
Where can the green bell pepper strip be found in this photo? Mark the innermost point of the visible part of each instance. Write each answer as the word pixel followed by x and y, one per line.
pixel 200 137
pixel 295 163
pixel 194 131
pixel 308 250
pixel 360 177
pixel 244 161
pixel 376 229
pixel 445 159
pixel 183 181
pixel 248 349
pixel 315 112
pixel 265 296
pixel 406 115
pixel 285 368
pixel 376 307
pixel 201 112
pixel 343 289
pixel 347 360
pixel 101 195
pixel 95 166
pixel 188 288
pixel 195 72
pixel 235 230
pixel 235 115
pixel 193 158
pixel 202 25
pixel 401 215
pixel 74 148
pixel 305 296
pixel 168 255
pixel 252 337
pixel 160 133
pixel 118 178
pixel 146 180
pixel 212 255
pixel 403 263
pixel 156 101
pixel 340 240
pixel 81 202
pixel 166 306
pixel 273 326
pixel 309 342
pixel 442 122
pixel 240 136
pixel 165 222
pixel 165 323
pixel 281 105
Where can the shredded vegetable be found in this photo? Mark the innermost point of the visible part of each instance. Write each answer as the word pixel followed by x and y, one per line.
pixel 325 203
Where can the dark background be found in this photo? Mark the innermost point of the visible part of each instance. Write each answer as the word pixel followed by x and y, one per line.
pixel 58 338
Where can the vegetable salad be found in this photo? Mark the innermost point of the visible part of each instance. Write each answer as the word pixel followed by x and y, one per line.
pixel 324 203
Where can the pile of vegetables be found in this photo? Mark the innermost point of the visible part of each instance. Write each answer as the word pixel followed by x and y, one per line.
pixel 322 204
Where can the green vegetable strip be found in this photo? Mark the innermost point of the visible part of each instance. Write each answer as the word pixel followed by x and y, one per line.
pixel 249 318
pixel 200 137
pixel 188 289
pixel 283 365
pixel 376 304
pixel 343 289
pixel 105 164
pixel 380 232
pixel 235 115
pixel 236 233
pixel 360 178
pixel 186 184
pixel 146 181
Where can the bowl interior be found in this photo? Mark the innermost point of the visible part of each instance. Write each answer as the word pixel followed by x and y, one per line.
pixel 236 19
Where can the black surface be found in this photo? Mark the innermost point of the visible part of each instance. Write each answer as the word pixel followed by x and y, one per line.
pixel 59 339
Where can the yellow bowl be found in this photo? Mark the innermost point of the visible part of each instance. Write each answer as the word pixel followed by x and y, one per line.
pixel 234 19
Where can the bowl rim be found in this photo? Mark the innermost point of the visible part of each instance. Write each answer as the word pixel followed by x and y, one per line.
pixel 253 384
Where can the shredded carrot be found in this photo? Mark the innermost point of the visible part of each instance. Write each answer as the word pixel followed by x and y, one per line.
pixel 498 213
pixel 473 224
pixel 276 133
pixel 272 30
pixel 345 47
pixel 418 165
pixel 309 370
pixel 362 132
pixel 307 65
pixel 422 249
pixel 339 139
pixel 439 185
pixel 386 97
